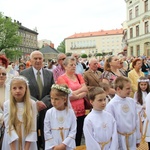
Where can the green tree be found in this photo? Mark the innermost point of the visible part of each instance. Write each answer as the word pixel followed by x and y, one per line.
pixel 68 54
pixel 99 54
pixel 61 47
pixel 9 37
pixel 13 54
pixel 84 56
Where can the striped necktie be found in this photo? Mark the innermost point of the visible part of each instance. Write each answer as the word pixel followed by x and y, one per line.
pixel 39 82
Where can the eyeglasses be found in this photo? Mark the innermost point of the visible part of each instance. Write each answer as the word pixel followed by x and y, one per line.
pixel 76 56
pixel 2 74
pixel 62 59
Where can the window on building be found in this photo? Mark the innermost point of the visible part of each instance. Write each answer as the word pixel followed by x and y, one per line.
pixel 146 5
pixel 94 43
pixel 83 43
pixel 87 43
pixel 71 44
pixel 131 50
pixel 138 50
pixel 130 14
pixel 137 30
pixel 74 44
pixel 131 32
pixel 136 11
pixel 146 27
pixel 77 44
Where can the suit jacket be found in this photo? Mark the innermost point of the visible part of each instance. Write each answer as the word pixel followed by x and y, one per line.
pixel 45 98
pixel 90 78
pixel 34 90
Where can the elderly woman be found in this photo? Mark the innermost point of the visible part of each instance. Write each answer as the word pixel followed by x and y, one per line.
pixel 4 63
pixel 135 74
pixel 111 72
pixel 4 95
pixel 79 90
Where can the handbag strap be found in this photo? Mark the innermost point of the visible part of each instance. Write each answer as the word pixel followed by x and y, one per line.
pixel 78 78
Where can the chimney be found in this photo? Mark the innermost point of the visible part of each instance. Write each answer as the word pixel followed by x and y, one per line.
pixel 51 45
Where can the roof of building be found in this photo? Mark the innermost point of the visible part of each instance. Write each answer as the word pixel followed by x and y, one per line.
pixel 96 33
pixel 48 49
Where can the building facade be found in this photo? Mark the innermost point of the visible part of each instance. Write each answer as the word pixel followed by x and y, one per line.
pixel 91 43
pixel 43 43
pixel 138 27
pixel 29 40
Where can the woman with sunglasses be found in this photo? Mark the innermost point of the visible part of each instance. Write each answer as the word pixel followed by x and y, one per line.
pixel 4 63
pixel 4 95
pixel 111 72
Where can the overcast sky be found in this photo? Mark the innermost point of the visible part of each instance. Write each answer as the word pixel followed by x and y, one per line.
pixel 58 19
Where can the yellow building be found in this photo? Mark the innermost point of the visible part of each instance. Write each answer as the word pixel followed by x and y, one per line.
pixel 91 43
pixel 138 27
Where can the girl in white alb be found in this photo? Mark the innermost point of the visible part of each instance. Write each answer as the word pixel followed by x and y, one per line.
pixel 60 121
pixel 146 127
pixel 139 97
pixel 20 117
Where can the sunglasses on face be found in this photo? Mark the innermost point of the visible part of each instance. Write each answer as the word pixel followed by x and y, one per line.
pixel 3 74
pixel 76 56
pixel 62 59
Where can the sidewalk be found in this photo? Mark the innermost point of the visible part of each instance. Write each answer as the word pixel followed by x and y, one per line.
pixel 142 147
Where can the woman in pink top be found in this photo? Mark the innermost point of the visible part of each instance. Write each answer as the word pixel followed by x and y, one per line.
pixel 79 90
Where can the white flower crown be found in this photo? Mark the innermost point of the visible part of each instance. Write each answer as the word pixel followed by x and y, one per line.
pixel 61 88
pixel 20 78
pixel 146 80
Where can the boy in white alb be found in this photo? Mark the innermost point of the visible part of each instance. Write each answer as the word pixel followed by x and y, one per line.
pixel 123 108
pixel 99 126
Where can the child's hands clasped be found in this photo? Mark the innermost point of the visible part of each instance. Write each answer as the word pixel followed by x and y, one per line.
pixel 60 147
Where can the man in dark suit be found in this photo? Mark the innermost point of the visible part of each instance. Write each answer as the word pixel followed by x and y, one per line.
pixel 92 75
pixel 40 95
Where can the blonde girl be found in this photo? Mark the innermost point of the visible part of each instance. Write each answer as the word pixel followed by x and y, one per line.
pixel 20 117
pixel 60 121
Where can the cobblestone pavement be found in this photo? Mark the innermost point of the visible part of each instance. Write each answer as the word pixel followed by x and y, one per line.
pixel 143 146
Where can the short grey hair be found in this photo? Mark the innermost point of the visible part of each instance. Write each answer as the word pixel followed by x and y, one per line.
pixel 68 59
pixel 59 55
pixel 31 55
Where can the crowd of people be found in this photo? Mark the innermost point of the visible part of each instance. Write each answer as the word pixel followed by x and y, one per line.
pixel 42 107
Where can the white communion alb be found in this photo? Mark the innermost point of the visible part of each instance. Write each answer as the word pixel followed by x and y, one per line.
pixel 100 131
pixel 128 125
pixel 60 127
pixel 9 138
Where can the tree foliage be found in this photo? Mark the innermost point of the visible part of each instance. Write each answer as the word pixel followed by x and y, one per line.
pixel 99 54
pixel 68 54
pixel 61 47
pixel 13 54
pixel 9 37
pixel 84 56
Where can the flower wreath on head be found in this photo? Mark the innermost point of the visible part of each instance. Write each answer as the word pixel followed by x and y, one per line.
pixel 20 78
pixel 61 88
pixel 143 80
